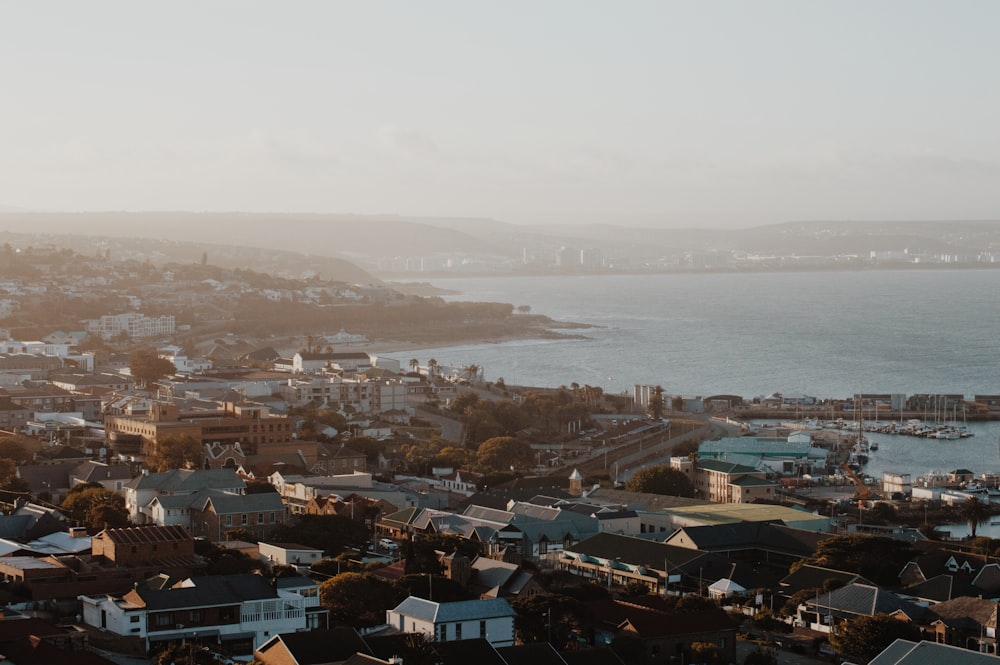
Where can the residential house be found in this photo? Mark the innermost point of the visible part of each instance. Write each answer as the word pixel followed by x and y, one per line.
pixel 665 636
pixel 238 612
pixel 316 647
pixel 214 514
pixel 491 619
pixel 288 554
pixel 830 609
pixel 490 578
pixel 968 622
pixel 111 476
pixel 141 490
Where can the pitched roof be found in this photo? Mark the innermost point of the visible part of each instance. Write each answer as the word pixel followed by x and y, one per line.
pixel 462 610
pixel 751 535
pixel 145 534
pixel 864 600
pixel 179 481
pixel 905 652
pixel 317 646
pixel 90 471
pixel 965 611
pixel 207 591
pixel 632 550
pixel 224 503
pixel 722 466
pixel 649 622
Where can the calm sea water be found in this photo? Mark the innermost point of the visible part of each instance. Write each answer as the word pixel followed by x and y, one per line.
pixel 822 334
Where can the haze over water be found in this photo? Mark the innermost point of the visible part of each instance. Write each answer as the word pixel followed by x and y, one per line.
pixel 825 334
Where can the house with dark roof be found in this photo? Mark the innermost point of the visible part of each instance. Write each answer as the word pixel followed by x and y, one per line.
pixel 969 572
pixel 970 623
pixel 316 647
pixel 238 612
pixel 770 542
pixel 828 610
pixel 662 633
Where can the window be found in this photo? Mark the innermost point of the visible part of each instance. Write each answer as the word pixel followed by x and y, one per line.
pixel 134 618
pixel 482 629
pixel 458 631
pixel 260 518
pixel 194 616
pixel 543 547
pixel 229 520
pixel 244 521
pixel 272 518
pixel 164 619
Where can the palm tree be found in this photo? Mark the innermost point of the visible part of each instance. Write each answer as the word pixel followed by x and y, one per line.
pixel 975 512
pixel 414 364
pixel 432 366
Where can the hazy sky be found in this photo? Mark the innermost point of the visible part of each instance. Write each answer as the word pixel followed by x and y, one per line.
pixel 681 113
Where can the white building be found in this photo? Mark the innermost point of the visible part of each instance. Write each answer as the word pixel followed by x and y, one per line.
pixel 238 612
pixel 491 619
pixel 133 324
pixel 288 554
pixel 363 396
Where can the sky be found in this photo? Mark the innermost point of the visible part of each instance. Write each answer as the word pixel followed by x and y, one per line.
pixel 660 113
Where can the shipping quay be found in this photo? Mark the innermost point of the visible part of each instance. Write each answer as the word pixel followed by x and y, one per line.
pixel 898 407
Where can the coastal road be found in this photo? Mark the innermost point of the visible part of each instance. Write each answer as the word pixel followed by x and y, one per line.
pixel 451 430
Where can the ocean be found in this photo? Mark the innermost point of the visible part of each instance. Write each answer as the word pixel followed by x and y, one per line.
pixel 825 334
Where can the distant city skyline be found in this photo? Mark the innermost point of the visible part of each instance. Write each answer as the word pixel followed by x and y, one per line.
pixel 674 114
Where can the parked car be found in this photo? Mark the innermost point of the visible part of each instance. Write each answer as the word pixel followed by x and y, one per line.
pixel 387 545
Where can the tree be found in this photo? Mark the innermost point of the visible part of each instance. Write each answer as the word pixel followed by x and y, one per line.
pixel 660 479
pixel 503 452
pixel 16 448
pixel 176 452
pixel 414 364
pixel 224 560
pixel 975 512
pixel 330 533
pixel 148 367
pixel 877 558
pixel 864 638
pixel 357 599
pixel 9 480
pixel 882 513
pixel 548 618
pixel 95 506
pixel 656 403
pixel 677 403
pixel 432 366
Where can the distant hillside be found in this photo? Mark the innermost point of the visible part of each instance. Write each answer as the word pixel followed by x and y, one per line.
pixel 334 243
